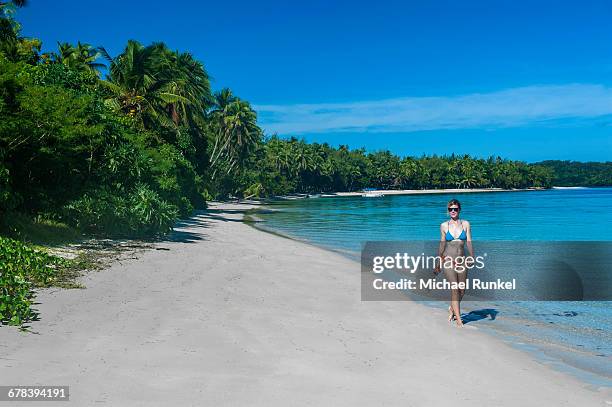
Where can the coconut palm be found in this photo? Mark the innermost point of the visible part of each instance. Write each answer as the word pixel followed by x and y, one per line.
pixel 187 78
pixel 235 131
pixel 15 47
pixel 83 57
pixel 156 85
pixel 278 155
pixel 15 3
pixel 223 98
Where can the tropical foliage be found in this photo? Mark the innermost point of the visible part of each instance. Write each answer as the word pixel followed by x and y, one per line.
pixel 123 144
pixel 79 58
pixel 21 269
pixel 125 155
pixel 280 166
pixel 574 173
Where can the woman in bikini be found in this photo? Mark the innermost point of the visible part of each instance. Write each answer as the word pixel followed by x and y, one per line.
pixel 454 235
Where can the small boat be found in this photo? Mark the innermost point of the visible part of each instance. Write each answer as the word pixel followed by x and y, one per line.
pixel 371 193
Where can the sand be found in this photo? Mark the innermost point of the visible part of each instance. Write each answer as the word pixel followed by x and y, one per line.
pixel 233 316
pixel 433 191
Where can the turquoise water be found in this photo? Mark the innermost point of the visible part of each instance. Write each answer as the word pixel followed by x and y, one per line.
pixel 572 335
pixel 343 223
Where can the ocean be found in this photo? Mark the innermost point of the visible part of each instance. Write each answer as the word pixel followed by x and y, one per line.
pixel 574 336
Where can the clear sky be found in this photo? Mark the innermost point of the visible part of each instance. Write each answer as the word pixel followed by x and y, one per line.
pixel 526 80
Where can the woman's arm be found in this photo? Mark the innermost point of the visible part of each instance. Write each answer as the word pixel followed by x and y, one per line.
pixel 468 235
pixel 441 248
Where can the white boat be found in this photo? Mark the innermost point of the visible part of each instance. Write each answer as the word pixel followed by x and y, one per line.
pixel 569 187
pixel 372 194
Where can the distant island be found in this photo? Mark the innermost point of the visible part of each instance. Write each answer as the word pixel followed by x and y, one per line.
pixel 579 174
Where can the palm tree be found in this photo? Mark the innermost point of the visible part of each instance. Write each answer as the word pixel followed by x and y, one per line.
pixel 223 98
pixel 187 78
pixel 235 130
pixel 408 171
pixel 133 82
pixel 303 158
pixel 15 47
pixel 81 58
pixel 157 86
pixel 278 155
pixel 16 3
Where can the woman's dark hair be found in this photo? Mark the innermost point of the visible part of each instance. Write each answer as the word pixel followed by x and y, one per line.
pixel 454 202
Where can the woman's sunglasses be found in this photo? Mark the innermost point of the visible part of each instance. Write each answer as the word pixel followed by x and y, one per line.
pixel 453 209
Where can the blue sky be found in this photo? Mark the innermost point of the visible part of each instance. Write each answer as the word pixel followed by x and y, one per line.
pixel 525 80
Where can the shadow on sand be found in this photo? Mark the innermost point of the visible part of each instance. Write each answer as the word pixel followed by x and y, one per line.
pixel 478 315
pixel 200 219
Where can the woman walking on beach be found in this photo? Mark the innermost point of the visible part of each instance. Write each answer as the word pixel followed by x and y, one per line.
pixel 454 235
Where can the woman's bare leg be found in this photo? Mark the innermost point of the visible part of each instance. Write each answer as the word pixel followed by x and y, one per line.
pixel 461 278
pixel 455 306
pixel 454 310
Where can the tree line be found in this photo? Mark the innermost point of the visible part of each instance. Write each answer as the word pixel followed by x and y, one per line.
pixel 575 173
pixel 125 144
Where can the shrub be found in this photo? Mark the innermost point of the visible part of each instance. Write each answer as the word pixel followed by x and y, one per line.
pixel 39 230
pixel 256 190
pixel 8 199
pixel 141 213
pixel 62 75
pixel 22 268
pixel 99 212
pixel 175 178
pixel 148 213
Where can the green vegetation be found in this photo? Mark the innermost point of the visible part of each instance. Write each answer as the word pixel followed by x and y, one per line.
pixel 38 230
pixel 128 152
pixel 124 145
pixel 121 156
pixel 21 269
pixel 573 173
pixel 279 166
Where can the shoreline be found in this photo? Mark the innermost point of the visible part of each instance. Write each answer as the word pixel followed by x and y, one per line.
pixel 554 355
pixel 386 192
pixel 224 314
pixel 437 191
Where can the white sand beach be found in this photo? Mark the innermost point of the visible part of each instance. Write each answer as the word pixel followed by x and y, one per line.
pixel 408 192
pixel 434 191
pixel 227 315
